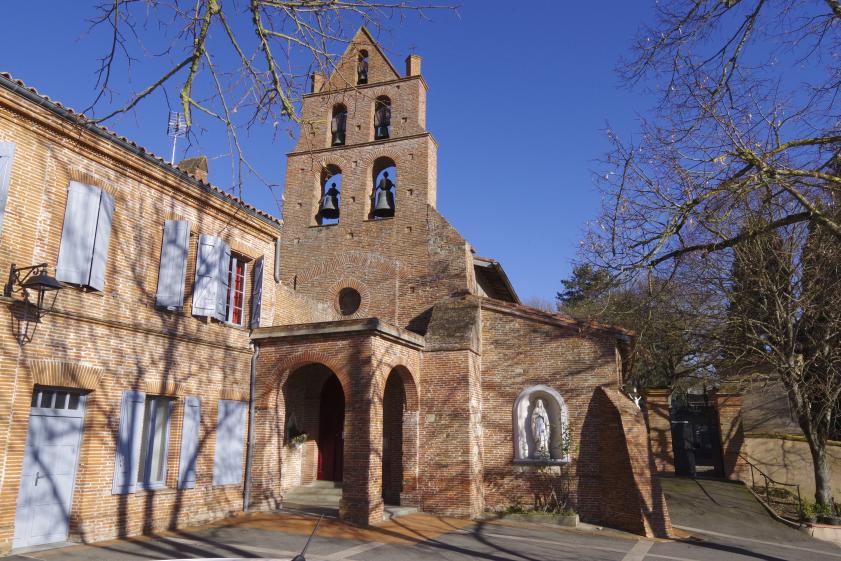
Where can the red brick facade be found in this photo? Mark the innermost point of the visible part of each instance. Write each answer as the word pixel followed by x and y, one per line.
pixel 467 357
pixel 429 367
pixel 109 341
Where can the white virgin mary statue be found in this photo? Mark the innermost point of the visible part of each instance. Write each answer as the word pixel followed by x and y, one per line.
pixel 540 430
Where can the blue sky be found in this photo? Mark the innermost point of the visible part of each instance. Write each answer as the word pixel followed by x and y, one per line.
pixel 520 96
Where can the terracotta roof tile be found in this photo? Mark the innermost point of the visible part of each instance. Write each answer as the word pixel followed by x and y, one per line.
pixel 82 119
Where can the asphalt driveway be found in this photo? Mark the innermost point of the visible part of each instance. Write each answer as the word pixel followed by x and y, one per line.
pixel 425 537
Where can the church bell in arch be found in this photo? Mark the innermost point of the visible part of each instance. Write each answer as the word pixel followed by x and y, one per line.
pixel 384 207
pixel 330 203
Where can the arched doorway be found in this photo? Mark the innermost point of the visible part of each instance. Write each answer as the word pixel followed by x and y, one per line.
pixel 399 456
pixel 331 431
pixel 314 415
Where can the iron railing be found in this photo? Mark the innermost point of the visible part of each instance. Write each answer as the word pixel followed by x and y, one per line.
pixel 771 490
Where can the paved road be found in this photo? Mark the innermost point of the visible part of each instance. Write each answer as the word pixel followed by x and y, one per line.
pixel 717 512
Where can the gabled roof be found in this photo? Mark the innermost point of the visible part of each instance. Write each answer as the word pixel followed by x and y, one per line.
pixel 492 279
pixel 362 38
pixel 17 87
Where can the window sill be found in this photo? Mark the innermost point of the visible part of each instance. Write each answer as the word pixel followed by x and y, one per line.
pixel 551 462
pixel 223 485
pixel 383 219
pixel 155 488
pixel 323 225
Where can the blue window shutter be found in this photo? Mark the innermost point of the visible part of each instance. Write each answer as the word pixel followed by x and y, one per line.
pixel 7 156
pixel 128 442
pixel 230 442
pixel 173 266
pixel 75 255
pixel 104 221
pixel 189 442
pixel 257 293
pixel 222 280
pixel 207 269
pixel 277 260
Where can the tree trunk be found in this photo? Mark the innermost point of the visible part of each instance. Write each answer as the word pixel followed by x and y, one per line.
pixel 823 484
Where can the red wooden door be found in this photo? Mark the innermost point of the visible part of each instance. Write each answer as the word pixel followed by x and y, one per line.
pixel 330 431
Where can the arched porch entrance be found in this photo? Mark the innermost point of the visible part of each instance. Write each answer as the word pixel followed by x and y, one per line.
pixel 400 439
pixel 313 445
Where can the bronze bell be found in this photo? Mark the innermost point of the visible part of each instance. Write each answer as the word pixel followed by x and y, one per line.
pixel 330 203
pixel 384 208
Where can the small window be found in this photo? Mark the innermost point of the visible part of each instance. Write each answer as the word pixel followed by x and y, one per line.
pixel 349 301
pixel 236 290
pixel 362 68
pixel 155 442
pixel 55 399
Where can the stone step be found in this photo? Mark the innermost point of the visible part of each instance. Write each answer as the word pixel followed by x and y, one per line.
pixel 305 498
pixel 393 511
pixel 321 484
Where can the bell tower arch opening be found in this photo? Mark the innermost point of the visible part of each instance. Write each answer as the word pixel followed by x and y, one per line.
pixel 338 125
pixel 362 68
pixel 330 195
pixel 382 118
pixel 384 187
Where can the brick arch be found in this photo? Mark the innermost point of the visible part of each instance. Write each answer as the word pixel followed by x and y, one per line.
pixel 367 163
pixel 410 387
pixel 280 375
pixel 356 259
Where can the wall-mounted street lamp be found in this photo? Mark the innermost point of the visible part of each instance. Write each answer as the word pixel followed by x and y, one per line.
pixel 35 279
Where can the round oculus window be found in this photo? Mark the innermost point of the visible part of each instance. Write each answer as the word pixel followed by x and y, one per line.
pixel 349 301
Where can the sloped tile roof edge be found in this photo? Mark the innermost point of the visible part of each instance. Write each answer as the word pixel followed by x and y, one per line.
pixel 18 87
pixel 555 319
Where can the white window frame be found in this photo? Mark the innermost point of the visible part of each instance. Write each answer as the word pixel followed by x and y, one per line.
pixel 232 267
pixel 147 437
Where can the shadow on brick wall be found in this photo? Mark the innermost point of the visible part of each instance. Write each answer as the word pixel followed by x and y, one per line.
pixel 616 484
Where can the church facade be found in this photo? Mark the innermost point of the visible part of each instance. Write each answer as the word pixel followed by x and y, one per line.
pixel 204 357
pixel 443 391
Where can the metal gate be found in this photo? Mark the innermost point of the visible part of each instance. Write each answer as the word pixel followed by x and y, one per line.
pixel 695 437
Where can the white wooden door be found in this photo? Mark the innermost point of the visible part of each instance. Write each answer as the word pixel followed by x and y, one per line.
pixel 49 467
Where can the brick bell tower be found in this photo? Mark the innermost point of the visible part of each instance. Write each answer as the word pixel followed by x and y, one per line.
pixel 343 253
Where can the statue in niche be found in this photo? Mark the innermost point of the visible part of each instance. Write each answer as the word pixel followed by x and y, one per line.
pixel 540 431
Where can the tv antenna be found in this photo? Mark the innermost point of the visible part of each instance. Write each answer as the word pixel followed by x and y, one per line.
pixel 176 127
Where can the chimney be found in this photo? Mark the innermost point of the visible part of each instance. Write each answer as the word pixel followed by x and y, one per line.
pixel 197 167
pixel 413 65
pixel 317 81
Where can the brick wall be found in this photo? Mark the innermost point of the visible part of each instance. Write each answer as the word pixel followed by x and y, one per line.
pixel 116 336
pixel 660 429
pixel 729 407
pixel 616 473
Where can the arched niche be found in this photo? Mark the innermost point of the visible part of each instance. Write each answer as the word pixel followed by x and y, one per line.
pixel 524 445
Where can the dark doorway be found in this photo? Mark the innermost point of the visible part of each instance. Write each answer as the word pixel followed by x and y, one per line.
pixel 331 431
pixel 695 437
pixel 394 406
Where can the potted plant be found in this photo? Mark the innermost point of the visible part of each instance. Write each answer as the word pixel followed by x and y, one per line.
pixel 295 436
